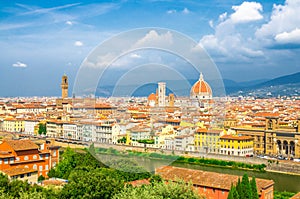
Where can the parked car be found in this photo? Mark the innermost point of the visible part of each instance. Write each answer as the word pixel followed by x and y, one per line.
pixel 297 160
pixel 259 156
pixel 281 158
pixel 265 157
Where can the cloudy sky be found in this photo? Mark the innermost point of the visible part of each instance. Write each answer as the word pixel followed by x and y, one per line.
pixel 42 40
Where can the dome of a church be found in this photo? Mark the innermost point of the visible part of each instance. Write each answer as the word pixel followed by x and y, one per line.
pixel 201 88
pixel 151 97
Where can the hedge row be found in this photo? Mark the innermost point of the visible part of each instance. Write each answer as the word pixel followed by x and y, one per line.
pixel 200 161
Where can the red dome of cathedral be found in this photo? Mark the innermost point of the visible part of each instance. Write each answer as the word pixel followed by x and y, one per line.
pixel 201 87
pixel 152 96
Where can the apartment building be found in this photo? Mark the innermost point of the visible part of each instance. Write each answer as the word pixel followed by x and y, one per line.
pixel 21 159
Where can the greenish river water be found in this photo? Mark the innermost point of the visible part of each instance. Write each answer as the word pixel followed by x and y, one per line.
pixel 283 182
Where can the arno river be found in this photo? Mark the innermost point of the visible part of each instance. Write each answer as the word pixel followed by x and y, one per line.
pixel 283 182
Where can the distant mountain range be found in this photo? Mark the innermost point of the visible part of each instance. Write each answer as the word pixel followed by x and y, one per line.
pixel 288 79
pixel 288 85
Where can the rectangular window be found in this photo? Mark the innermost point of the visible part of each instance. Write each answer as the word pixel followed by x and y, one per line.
pixel 5 161
pixel 12 160
pixel 47 156
pixel 0 161
pixel 40 168
pixel 46 167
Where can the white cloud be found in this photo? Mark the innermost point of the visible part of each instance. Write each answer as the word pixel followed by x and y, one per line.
pixel 152 38
pixel 78 43
pixel 246 12
pixel 19 65
pixel 114 60
pixel 69 23
pixel 230 47
pixel 47 10
pixel 186 11
pixel 228 43
pixel 124 55
pixel 289 37
pixel 210 42
pixel 171 11
pixel 183 11
pixel 57 14
pixel 223 16
pixel 211 23
pixel 101 61
pixel 134 55
pixel 12 26
pixel 283 23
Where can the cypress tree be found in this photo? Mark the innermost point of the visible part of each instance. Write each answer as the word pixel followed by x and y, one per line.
pixel 254 188
pixel 235 193
pixel 246 188
pixel 230 194
pixel 239 188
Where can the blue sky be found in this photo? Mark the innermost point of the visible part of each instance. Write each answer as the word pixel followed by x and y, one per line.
pixel 42 40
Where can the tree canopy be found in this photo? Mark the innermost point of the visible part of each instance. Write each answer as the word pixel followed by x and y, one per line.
pixel 244 189
pixel 159 190
pixel 89 178
pixel 42 129
pixel 91 183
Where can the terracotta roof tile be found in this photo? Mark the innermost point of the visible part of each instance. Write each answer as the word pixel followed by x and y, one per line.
pixel 233 137
pixel 21 145
pixel 207 179
pixel 17 171
pixel 297 196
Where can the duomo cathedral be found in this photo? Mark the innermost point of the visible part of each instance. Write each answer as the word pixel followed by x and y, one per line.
pixel 200 96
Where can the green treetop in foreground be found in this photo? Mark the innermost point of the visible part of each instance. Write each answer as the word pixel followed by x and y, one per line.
pixel 244 189
pixel 159 190
pixel 88 178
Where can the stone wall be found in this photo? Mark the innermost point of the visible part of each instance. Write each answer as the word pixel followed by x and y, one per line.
pixel 291 167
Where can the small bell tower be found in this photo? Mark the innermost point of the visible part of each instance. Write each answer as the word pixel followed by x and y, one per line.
pixel 64 86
